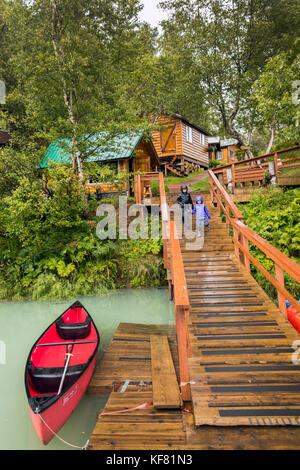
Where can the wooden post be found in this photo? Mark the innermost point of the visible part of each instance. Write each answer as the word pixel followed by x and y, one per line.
pixel 226 219
pixel 245 244
pixel 236 247
pixel 233 176
pixel 281 299
pixel 218 205
pixel 139 190
pixel 276 165
pixel 211 190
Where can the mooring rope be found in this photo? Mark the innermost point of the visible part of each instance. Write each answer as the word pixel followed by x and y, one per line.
pixel 61 439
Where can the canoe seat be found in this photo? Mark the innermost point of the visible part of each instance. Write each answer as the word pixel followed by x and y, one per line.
pixel 73 330
pixel 47 379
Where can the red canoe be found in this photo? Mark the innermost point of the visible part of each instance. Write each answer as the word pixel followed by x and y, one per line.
pixel 59 368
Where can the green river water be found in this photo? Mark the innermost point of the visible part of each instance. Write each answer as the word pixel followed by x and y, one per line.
pixel 22 323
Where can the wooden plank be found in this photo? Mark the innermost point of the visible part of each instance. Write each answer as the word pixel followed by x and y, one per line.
pixel 166 393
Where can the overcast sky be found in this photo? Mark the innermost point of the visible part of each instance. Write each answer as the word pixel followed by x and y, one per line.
pixel 151 13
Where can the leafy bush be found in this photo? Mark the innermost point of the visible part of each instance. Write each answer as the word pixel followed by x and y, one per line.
pixel 49 250
pixel 215 163
pixel 275 216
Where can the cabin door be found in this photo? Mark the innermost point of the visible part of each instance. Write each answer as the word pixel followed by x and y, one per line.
pixel 142 163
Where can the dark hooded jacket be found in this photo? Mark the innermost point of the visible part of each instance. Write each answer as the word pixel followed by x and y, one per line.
pixel 184 198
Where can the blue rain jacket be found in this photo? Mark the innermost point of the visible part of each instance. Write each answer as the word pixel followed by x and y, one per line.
pixel 200 210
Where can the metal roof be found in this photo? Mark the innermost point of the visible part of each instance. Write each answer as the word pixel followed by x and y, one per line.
pixel 100 146
pixel 227 142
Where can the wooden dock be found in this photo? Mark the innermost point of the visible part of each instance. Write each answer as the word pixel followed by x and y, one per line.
pixel 231 353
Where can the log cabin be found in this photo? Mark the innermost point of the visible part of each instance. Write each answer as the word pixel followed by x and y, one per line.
pixel 129 153
pixel 180 145
pixel 224 151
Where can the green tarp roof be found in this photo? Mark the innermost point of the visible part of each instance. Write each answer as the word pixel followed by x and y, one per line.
pixel 119 147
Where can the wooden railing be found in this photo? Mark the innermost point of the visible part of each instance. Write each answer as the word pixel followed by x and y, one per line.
pixel 182 310
pixel 242 235
pixel 255 168
pixel 177 287
pixel 141 181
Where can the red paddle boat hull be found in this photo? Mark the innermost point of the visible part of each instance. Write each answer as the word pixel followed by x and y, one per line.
pixel 59 368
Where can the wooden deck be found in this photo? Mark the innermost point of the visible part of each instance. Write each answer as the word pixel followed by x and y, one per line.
pixel 128 357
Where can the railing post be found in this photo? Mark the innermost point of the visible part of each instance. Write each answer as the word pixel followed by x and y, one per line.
pixel 276 165
pixel 211 189
pixel 233 176
pixel 245 244
pixel 236 247
pixel 281 299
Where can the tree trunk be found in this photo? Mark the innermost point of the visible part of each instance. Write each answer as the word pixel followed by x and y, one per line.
pixel 228 124
pixel 68 97
pixel 272 136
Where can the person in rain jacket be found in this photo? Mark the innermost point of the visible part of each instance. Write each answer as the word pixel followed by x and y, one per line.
pixel 184 199
pixel 202 214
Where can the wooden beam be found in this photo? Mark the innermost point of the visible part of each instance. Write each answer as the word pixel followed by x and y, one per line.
pixel 166 393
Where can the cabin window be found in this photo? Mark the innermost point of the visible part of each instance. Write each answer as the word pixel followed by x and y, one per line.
pixel 189 134
pixel 219 155
pixel 232 154
pixel 202 140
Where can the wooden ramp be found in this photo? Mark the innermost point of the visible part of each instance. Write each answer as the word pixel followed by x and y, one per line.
pixel 241 367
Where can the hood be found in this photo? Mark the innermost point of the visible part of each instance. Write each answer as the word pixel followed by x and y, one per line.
pixel 184 186
pixel 199 198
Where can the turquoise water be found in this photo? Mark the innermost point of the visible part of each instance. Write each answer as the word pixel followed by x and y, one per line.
pixel 22 323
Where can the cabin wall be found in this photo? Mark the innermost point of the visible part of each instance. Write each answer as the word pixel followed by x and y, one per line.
pixel 195 149
pixel 226 157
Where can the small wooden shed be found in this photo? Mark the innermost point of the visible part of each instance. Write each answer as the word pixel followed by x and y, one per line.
pixel 130 153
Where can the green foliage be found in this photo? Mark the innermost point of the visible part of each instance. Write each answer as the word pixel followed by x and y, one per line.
pixel 215 163
pixel 274 215
pixel 140 263
pixel 273 96
pixel 49 250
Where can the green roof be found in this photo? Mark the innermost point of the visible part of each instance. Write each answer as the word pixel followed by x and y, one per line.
pixel 120 147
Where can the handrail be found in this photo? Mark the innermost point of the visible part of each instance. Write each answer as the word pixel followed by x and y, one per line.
pixel 287 264
pixel 181 298
pixel 261 157
pixel 177 288
pixel 243 235
pixel 182 311
pixel 236 212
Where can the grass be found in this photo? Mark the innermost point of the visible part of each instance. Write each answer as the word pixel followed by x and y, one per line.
pixel 173 180
pixel 290 171
pixel 202 185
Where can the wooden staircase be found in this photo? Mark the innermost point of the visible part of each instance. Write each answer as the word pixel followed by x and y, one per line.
pixel 240 364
